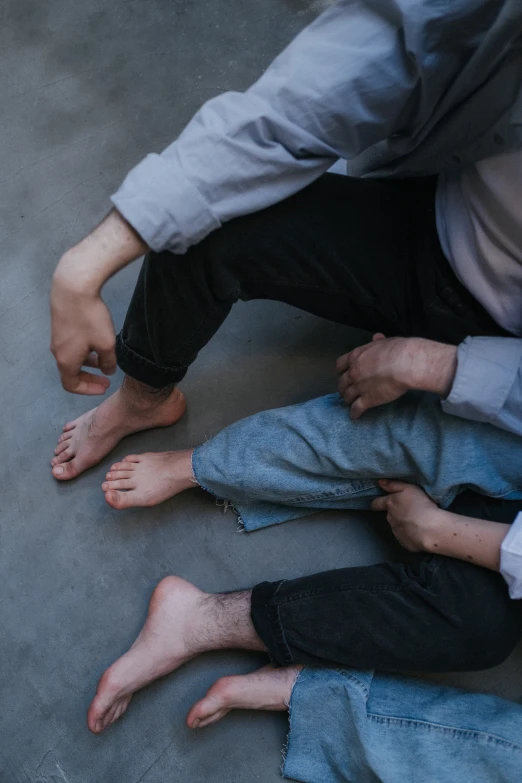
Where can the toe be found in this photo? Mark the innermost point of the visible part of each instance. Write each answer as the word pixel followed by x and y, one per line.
pixel 61 447
pixel 207 710
pixel 119 500
pixel 67 470
pixel 133 458
pixel 119 484
pixel 65 436
pixel 212 707
pixel 63 456
pixel 69 426
pixel 112 475
pixel 122 466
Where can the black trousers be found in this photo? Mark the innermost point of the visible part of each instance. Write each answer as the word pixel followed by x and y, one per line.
pixel 365 253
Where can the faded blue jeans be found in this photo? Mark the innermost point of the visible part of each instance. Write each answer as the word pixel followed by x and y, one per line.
pixel 349 726
pixel 286 463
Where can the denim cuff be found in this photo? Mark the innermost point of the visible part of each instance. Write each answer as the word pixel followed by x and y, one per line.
pixel 264 612
pixel 143 370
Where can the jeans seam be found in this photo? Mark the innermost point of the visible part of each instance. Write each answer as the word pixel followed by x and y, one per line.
pixel 361 486
pixel 274 619
pixel 453 730
pixel 340 589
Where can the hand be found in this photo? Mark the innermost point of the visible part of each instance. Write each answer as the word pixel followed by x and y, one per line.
pixel 82 334
pixel 386 368
pixel 412 515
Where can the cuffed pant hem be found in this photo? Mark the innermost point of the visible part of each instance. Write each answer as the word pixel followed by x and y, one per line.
pixel 143 370
pixel 264 613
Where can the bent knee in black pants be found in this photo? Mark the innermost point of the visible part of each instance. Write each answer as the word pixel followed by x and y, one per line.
pixel 432 613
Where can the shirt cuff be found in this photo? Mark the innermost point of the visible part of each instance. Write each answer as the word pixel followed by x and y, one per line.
pixel 487 368
pixel 511 558
pixel 163 206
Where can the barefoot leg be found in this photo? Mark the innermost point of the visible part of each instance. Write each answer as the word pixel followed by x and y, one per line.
pixel 182 622
pixel 134 407
pixel 265 689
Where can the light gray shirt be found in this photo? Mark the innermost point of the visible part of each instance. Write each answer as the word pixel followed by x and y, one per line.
pixel 394 87
pixel 479 219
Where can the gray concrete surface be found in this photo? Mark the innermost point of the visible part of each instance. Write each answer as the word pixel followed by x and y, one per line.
pixel 86 89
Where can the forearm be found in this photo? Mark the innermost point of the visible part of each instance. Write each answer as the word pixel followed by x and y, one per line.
pixel 465 538
pixel 88 265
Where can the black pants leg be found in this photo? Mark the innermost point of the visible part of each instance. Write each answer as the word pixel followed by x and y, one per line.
pixel 364 253
pixel 428 613
pixel 360 252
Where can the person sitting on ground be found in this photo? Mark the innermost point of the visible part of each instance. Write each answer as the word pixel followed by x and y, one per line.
pixel 239 208
pixel 284 464
pixel 346 724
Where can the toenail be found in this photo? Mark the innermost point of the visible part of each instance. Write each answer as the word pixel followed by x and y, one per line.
pixel 105 486
pixel 58 471
pixel 109 475
pixel 195 723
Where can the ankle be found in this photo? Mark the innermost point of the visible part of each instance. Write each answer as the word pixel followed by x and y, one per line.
pixel 140 397
pixel 227 623
pixel 183 471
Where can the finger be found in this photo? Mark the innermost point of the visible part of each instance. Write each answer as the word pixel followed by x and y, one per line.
pixel 107 360
pixel 91 360
pixel 378 336
pixel 344 382
pixel 358 408
pixel 393 485
pixel 342 363
pixel 84 383
pixel 380 504
pixel 351 394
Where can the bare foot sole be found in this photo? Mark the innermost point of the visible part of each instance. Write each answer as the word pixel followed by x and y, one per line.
pixel 88 439
pixel 148 479
pixel 167 641
pixel 265 689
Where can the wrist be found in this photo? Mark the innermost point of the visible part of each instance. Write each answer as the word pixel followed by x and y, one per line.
pixel 435 367
pixel 75 274
pixel 87 266
pixel 434 527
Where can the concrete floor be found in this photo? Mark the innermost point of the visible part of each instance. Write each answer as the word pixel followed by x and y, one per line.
pixel 87 89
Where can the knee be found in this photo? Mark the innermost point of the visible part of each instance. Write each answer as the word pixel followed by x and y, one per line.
pixel 491 630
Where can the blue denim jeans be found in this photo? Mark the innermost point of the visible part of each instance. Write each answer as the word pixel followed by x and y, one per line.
pixel 286 463
pixel 427 613
pixel 350 726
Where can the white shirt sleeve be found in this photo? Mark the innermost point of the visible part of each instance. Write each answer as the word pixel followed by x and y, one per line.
pixel 488 382
pixel 511 558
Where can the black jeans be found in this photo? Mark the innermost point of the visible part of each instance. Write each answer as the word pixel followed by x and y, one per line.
pixel 365 253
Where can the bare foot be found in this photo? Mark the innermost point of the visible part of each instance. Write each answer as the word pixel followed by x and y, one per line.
pixel 169 638
pixel 265 689
pixel 148 479
pixel 88 439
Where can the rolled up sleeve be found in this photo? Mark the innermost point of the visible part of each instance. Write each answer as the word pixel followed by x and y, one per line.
pixel 345 83
pixel 511 558
pixel 488 382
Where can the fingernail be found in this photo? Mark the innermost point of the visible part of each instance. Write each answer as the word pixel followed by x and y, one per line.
pixel 58 471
